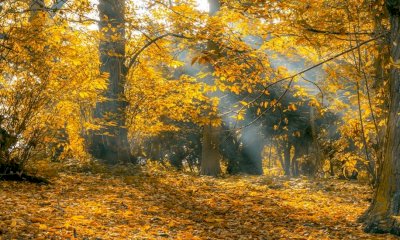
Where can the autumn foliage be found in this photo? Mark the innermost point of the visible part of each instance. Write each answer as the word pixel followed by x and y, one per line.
pixel 159 204
pixel 302 89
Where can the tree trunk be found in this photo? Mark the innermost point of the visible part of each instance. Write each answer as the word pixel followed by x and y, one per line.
pixel 111 145
pixel 280 158
pixel 286 154
pixel 382 216
pixel 210 160
pixel 210 157
pixel 381 74
pixel 295 162
pixel 230 150
pixel 315 143
pixel 270 155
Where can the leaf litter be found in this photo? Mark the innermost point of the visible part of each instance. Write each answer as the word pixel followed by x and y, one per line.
pixel 157 204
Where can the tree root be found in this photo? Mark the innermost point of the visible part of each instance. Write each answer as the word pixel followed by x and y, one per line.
pixel 381 224
pixel 23 177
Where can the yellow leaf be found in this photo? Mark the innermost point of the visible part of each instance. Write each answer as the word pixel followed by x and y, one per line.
pixel 146 227
pixel 83 94
pixel 78 217
pixel 76 62
pixel 153 209
pixel 42 226
pixel 235 89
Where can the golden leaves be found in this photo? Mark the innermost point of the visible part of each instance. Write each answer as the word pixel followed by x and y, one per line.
pixel 213 220
pixel 157 203
pixel 78 218
pixel 235 89
pixel 43 227
pixel 54 80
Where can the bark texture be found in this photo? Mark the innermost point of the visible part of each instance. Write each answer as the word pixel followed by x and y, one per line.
pixel 317 156
pixel 111 145
pixel 286 155
pixel 210 157
pixel 382 215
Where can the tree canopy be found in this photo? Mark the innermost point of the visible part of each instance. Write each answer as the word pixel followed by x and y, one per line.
pixel 291 89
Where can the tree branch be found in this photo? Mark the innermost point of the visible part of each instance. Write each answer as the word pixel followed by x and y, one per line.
pixel 148 44
pixel 314 30
pixel 57 6
pixel 291 78
pixel 52 12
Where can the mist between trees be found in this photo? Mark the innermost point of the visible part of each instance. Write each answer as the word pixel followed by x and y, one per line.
pixel 282 90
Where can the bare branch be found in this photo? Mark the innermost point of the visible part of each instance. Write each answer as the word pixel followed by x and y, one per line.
pixel 314 30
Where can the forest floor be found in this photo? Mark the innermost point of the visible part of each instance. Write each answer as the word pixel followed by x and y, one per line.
pixel 159 204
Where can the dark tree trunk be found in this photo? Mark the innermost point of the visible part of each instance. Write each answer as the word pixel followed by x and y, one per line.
pixel 382 216
pixel 280 158
pixel 286 155
pixel 210 157
pixel 230 150
pixel 315 144
pixel 111 145
pixel 331 169
pixel 177 155
pixel 270 165
pixel 155 149
pixel 295 163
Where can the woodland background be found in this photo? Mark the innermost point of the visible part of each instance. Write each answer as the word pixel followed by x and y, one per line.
pixel 110 111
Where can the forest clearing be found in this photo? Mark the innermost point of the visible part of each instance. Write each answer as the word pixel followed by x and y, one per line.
pixel 199 119
pixel 157 203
